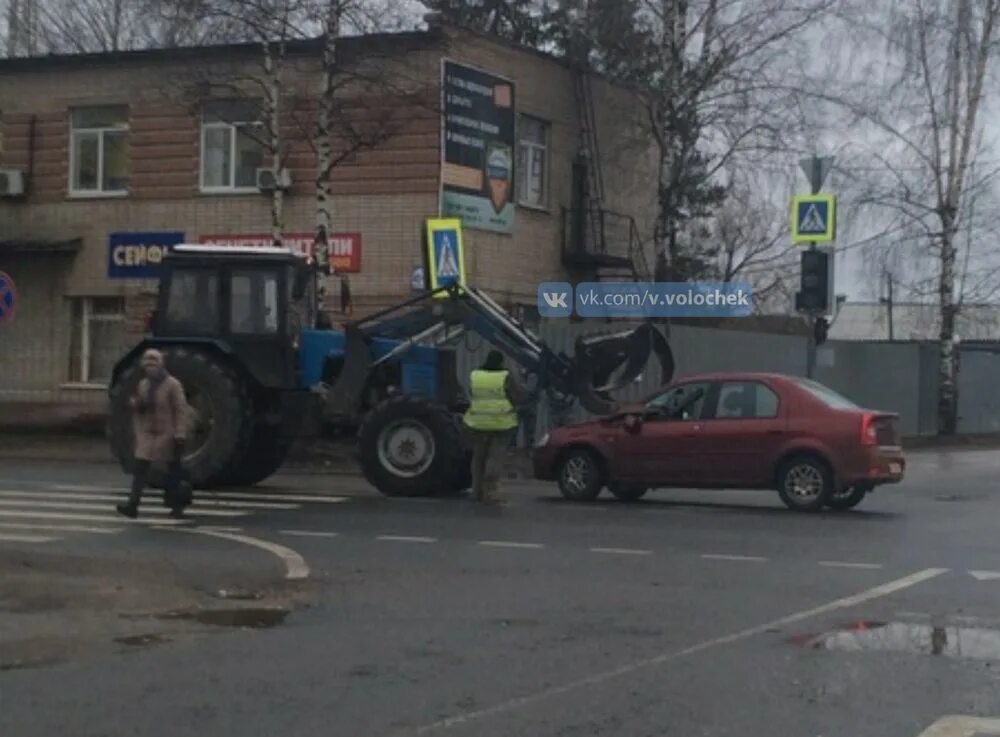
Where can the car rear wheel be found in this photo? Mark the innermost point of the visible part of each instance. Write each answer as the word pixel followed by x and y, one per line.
pixel 627 493
pixel 580 476
pixel 805 483
pixel 848 498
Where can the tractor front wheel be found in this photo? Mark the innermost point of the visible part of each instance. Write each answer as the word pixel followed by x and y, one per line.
pixel 410 446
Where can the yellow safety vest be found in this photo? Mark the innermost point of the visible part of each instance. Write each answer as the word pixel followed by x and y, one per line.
pixel 490 409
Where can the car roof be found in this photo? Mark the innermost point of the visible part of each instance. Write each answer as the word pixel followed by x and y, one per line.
pixel 735 376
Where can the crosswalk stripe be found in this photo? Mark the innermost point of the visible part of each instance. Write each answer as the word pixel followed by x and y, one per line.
pixel 38 514
pixel 192 511
pixel 209 493
pixel 60 528
pixel 69 496
pixel 26 538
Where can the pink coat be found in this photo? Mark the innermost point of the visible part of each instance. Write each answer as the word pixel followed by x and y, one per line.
pixel 156 429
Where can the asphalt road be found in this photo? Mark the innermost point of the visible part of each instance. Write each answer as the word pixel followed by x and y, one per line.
pixel 312 606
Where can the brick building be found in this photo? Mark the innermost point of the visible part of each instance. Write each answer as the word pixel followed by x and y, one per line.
pixel 147 147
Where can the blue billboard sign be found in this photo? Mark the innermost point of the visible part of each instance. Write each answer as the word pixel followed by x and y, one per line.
pixel 138 255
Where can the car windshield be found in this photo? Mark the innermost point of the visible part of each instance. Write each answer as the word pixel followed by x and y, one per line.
pixel 826 395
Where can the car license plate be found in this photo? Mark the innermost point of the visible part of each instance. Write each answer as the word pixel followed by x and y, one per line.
pixel 895 468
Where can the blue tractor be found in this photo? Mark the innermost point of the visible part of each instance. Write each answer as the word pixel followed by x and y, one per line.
pixel 240 329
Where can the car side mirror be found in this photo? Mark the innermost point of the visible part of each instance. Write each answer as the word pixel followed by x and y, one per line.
pixel 633 423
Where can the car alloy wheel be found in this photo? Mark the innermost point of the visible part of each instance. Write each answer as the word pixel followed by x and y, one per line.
pixel 580 476
pixel 804 481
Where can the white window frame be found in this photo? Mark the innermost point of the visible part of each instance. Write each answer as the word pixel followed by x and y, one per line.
pixel 533 149
pixel 99 132
pixel 86 316
pixel 233 127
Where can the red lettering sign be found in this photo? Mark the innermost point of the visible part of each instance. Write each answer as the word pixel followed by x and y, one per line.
pixel 345 248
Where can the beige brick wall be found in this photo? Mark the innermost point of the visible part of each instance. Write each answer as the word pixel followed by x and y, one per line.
pixel 384 194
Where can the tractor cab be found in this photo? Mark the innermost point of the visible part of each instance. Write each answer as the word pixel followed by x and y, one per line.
pixel 252 301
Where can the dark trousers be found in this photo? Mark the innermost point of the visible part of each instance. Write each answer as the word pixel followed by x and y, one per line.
pixel 140 479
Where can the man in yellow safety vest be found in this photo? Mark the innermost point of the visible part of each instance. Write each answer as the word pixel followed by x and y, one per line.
pixel 491 418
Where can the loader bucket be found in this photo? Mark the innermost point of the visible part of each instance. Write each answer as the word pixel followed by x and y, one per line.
pixel 603 364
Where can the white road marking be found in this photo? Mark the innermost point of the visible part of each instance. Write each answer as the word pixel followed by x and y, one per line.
pixel 35 514
pixel 406 539
pixel 504 544
pixel 846 564
pixel 599 678
pixel 27 496
pixel 296 567
pixel 217 528
pixel 207 493
pixel 308 533
pixel 621 551
pixel 60 528
pixel 959 726
pixel 745 558
pixel 194 511
pixel 985 575
pixel 26 538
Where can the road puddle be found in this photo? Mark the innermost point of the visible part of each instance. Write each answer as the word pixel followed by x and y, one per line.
pixel 977 643
pixel 244 618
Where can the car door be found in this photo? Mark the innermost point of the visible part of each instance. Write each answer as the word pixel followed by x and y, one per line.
pixel 660 450
pixel 740 435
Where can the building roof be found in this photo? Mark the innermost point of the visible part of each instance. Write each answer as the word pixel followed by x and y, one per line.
pixel 348 45
pixel 912 321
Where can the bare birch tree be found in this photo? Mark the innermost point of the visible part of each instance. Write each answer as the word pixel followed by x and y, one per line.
pixel 920 112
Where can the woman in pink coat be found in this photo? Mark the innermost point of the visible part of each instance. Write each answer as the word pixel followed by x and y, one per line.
pixel 159 411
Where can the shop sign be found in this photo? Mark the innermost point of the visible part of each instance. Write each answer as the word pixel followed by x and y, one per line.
pixel 138 255
pixel 345 248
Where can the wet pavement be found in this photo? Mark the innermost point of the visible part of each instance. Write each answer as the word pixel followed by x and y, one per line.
pixel 709 613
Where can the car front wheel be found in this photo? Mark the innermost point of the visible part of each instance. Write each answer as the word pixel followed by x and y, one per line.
pixel 580 476
pixel 805 483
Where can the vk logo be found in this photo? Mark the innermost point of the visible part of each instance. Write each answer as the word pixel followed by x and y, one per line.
pixel 555 299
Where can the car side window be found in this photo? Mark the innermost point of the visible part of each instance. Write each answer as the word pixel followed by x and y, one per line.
pixel 684 402
pixel 746 400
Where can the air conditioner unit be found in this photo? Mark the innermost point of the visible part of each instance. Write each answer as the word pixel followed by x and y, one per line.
pixel 11 182
pixel 268 179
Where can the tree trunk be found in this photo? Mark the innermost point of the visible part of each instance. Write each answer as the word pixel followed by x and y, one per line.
pixel 273 72
pixel 324 215
pixel 947 391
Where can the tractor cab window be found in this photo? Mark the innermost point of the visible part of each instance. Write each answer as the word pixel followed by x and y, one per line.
pixel 193 302
pixel 254 303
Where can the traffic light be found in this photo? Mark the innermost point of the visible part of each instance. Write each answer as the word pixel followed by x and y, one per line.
pixel 815 284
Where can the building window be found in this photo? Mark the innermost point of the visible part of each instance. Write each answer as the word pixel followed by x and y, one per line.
pixel 232 146
pixel 531 161
pixel 98 151
pixel 97 337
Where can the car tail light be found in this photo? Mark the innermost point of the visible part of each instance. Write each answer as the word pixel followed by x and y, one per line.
pixel 869 434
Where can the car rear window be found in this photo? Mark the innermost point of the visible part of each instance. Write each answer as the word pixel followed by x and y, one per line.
pixel 826 395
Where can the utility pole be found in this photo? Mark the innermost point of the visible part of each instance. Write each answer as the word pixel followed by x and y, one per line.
pixel 888 302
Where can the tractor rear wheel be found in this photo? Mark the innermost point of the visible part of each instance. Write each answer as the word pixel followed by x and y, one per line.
pixel 410 446
pixel 220 417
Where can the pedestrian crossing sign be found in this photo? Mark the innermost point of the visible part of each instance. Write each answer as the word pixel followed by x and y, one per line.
pixel 445 257
pixel 814 218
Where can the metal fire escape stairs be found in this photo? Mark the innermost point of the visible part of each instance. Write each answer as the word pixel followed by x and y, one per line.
pixel 604 243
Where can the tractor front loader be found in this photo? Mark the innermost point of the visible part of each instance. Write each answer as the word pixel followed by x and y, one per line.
pixel 236 328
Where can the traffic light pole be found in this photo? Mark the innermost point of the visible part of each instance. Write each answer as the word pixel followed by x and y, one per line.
pixel 815 184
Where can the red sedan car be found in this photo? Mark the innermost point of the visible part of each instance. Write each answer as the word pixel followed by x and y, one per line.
pixel 731 431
